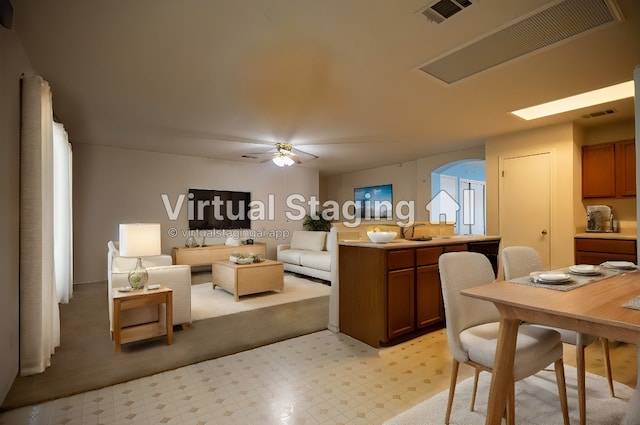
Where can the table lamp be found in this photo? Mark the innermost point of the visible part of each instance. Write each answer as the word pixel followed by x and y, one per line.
pixel 139 240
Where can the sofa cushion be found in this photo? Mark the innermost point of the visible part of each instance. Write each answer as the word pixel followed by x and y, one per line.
pixel 291 256
pixel 311 241
pixel 316 260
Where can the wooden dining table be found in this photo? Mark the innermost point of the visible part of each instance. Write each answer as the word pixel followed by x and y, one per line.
pixel 596 309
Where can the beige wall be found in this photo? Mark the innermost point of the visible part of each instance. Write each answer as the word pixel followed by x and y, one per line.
pixel 431 163
pixel 402 177
pixel 564 142
pixel 624 208
pixel 411 180
pixel 558 140
pixel 113 186
pixel 14 64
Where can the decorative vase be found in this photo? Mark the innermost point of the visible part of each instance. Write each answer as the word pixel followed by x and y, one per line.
pixel 138 276
pixel 191 242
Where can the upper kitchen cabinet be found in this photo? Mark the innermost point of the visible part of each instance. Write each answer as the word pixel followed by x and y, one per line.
pixel 609 170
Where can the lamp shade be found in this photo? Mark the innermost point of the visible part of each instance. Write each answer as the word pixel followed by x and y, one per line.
pixel 140 239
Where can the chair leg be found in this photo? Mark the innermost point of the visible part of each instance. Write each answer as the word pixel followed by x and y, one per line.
pixel 562 390
pixel 452 389
pixel 511 404
pixel 582 398
pixel 607 365
pixel 475 389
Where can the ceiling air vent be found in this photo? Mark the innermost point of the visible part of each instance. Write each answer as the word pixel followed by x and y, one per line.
pixel 439 11
pixel 542 28
pixel 600 113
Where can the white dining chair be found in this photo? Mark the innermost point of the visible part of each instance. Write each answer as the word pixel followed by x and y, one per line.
pixel 518 261
pixel 473 327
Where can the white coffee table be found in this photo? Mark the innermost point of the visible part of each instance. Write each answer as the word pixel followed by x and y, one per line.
pixel 245 279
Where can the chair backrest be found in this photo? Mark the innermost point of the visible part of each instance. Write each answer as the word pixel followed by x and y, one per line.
pixel 458 271
pixel 519 261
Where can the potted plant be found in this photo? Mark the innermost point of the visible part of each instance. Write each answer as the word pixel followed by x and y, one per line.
pixel 316 223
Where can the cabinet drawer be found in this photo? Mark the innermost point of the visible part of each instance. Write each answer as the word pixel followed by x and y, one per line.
pixel 401 259
pixel 613 246
pixel 426 256
pixel 455 248
pixel 486 248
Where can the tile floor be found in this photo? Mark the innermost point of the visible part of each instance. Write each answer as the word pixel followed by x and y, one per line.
pixel 321 378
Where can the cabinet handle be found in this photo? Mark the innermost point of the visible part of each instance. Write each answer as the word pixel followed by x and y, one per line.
pixel 544 232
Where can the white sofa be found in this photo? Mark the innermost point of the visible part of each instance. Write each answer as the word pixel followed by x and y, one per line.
pixel 308 253
pixel 161 271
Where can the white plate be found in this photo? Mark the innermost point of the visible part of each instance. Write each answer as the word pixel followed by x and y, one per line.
pixel 553 277
pixel 550 278
pixel 621 264
pixel 125 289
pixel 585 269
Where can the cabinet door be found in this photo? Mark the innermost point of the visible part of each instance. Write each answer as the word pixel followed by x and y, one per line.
pixel 626 168
pixel 429 306
pixel 598 171
pixel 401 302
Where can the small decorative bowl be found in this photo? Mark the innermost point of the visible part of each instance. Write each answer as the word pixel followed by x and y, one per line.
pixel 381 237
pixel 239 260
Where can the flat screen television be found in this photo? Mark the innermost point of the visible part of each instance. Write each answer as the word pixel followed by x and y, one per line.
pixel 374 201
pixel 218 209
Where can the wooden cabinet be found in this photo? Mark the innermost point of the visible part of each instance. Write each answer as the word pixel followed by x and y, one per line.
pixel 626 168
pixel 429 306
pixel 596 250
pixel 390 295
pixel 609 170
pixel 400 295
pixel 400 292
pixel 206 255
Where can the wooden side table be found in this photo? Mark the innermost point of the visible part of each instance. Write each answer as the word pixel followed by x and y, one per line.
pixel 140 298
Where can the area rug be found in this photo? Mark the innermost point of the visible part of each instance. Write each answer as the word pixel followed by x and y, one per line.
pixel 536 402
pixel 207 302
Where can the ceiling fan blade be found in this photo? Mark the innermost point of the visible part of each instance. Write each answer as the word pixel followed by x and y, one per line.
pixel 305 154
pixel 268 159
pixel 297 156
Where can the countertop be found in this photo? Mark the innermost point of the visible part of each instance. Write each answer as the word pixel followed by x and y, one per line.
pixel 435 241
pixel 607 235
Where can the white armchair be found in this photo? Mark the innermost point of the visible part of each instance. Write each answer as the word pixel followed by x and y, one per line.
pixel 161 271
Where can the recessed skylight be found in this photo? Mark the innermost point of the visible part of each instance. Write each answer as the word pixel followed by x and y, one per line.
pixel 579 101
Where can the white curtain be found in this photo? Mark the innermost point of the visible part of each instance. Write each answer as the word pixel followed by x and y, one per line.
pixel 39 314
pixel 62 217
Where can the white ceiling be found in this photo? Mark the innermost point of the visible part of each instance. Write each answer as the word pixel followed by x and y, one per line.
pixel 337 78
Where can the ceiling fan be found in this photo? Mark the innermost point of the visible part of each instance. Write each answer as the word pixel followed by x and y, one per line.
pixel 284 154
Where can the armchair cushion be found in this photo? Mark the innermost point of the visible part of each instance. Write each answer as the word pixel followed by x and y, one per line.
pixel 161 272
pixel 177 278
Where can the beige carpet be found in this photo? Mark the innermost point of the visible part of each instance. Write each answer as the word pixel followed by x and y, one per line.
pixel 537 402
pixel 207 302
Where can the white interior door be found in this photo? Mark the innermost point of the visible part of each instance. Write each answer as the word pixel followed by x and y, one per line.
pixel 525 203
pixel 450 185
pixel 472 207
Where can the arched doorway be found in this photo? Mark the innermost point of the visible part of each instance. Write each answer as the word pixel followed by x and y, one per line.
pixel 464 182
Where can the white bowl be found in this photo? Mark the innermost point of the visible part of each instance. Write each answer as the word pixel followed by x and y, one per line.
pixel 381 237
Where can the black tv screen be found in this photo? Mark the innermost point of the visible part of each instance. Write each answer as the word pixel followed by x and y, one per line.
pixel 218 209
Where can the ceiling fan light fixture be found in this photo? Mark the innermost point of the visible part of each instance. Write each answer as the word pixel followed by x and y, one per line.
pixel 282 160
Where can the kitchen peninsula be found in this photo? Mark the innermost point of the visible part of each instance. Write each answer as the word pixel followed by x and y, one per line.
pixel 390 292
